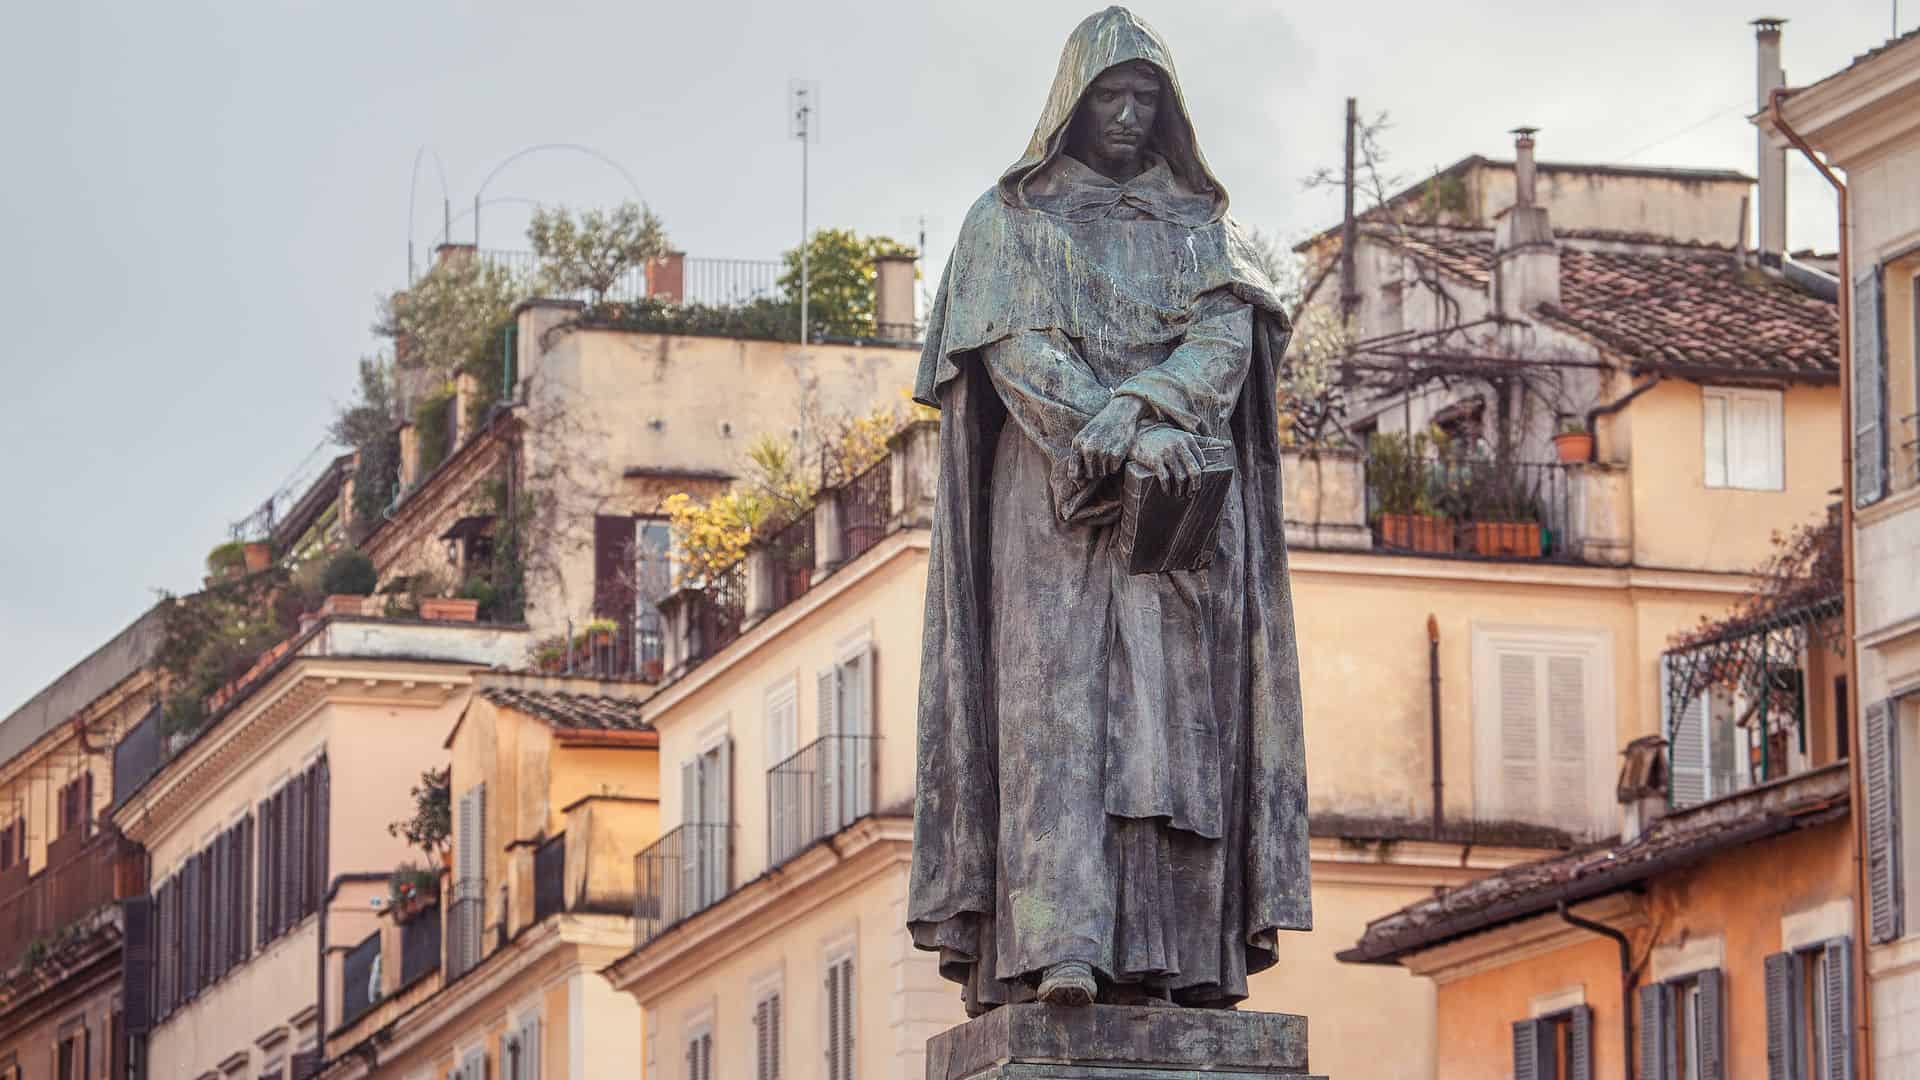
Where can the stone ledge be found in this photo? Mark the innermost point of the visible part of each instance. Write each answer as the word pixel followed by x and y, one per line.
pixel 1041 1042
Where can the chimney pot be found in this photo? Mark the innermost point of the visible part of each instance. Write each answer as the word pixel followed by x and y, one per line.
pixel 667 277
pixel 893 297
pixel 1772 164
pixel 1523 181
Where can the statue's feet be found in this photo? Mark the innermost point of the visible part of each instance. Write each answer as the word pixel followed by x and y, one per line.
pixel 1069 982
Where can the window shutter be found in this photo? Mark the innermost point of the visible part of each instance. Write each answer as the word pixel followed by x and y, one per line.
pixel 722 846
pixel 773 1037
pixel 760 1025
pixel 1567 740
pixel 706 1055
pixel 1527 1061
pixel 1750 443
pixel 1519 736
pixel 1781 1052
pixel 530 1048
pixel 1712 1027
pixel 1881 745
pixel 246 886
pixel 833 1022
pixel 1713 430
pixel 1838 973
pixel 1653 1034
pixel 263 929
pixel 1686 742
pixel 136 964
pixel 1581 1030
pixel 1869 389
pixel 692 840
pixel 322 785
pixel 831 723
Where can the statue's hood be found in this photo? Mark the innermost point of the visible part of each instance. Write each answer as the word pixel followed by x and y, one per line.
pixel 1114 36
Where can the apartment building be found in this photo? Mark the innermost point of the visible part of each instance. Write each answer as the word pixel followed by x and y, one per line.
pixel 494 968
pixel 266 839
pixel 1865 120
pixel 61 1013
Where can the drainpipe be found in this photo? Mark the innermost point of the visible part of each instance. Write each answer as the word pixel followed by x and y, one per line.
pixel 1615 406
pixel 1863 1011
pixel 1433 721
pixel 1626 982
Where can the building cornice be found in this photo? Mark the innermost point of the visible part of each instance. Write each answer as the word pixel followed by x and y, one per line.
pixel 1496 572
pixel 790 891
pixel 1518 941
pixel 760 634
pixel 269 713
pixel 1862 109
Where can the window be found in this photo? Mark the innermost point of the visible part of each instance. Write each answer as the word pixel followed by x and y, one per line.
pixel 473 1066
pixel 707 814
pixel 653 577
pixel 73 1056
pixel 520 1050
pixel 1743 443
pixel 13 844
pixel 1884 746
pixel 787 779
pixel 199 915
pixel 74 807
pixel 846 737
pixel 783 721
pixel 1557 1046
pixel 840 1013
pixel 1809 1012
pixel 699 1055
pixel 1681 1028
pixel 465 918
pixel 766 1034
pixel 292 852
pixel 1899 363
pixel 1543 728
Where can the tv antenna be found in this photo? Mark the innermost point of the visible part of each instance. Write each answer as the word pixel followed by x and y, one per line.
pixel 803 123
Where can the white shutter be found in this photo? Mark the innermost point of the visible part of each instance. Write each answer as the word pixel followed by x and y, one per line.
pixel 1567 740
pixel 830 698
pixel 1750 455
pixel 530 1048
pixel 1519 736
pixel 1869 389
pixel 860 722
pixel 1713 429
pixel 721 853
pixel 1686 742
pixel 690 842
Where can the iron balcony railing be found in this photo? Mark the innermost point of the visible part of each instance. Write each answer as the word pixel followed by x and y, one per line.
pixel 678 876
pixel 550 878
pixel 824 788
pixel 866 507
pixel 1470 507
pixel 713 282
pixel 419 947
pixel 715 615
pixel 360 979
pixel 78 882
pixel 792 552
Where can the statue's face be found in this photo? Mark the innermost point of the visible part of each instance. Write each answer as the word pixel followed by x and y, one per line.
pixel 1115 122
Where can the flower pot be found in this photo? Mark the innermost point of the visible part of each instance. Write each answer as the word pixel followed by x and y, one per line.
pixel 343 604
pixel 1573 447
pixel 450 610
pixel 1512 539
pixel 1417 532
pixel 258 557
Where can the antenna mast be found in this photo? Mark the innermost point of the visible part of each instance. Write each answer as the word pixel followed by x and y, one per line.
pixel 803 107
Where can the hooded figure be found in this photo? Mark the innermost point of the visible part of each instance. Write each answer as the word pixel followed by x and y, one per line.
pixel 1111 793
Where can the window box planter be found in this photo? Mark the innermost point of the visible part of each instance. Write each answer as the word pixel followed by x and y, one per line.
pixel 447 609
pixel 1512 539
pixel 343 604
pixel 1417 532
pixel 1574 447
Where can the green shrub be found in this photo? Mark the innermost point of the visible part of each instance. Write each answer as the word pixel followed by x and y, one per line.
pixel 350 574
pixel 227 558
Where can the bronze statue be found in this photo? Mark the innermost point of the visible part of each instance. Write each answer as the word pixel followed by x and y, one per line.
pixel 1111 790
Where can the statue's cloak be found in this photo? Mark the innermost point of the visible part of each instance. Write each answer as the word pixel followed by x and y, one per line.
pixel 1015 269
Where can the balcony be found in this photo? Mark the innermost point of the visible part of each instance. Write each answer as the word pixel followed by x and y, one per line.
pixel 680 875
pixel 77 880
pixel 360 979
pixel 1470 507
pixel 714 282
pixel 817 792
pixel 866 510
pixel 550 878
pixel 419 948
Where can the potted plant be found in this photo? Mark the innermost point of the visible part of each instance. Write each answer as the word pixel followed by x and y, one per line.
pixel 1574 443
pixel 228 560
pixel 431 827
pixel 1505 514
pixel 412 889
pixel 1398 475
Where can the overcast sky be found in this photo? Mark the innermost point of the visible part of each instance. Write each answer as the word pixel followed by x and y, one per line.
pixel 204 200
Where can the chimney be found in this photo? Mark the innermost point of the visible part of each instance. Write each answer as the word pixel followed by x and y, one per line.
pixel 667 277
pixel 1526 270
pixel 893 297
pixel 1773 153
pixel 448 252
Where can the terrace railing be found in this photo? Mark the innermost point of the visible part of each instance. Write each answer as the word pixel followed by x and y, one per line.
pixel 678 876
pixel 792 552
pixel 360 979
pixel 419 948
pixel 1472 508
pixel 824 788
pixel 715 615
pixel 713 282
pixel 866 508
pixel 62 893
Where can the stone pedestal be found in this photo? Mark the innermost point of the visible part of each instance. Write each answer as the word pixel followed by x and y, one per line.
pixel 1119 1042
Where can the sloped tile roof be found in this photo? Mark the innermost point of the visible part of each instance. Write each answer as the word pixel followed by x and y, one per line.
pixel 1688 307
pixel 572 712
pixel 1533 888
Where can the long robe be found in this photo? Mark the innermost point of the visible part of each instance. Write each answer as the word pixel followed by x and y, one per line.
pixel 1110 765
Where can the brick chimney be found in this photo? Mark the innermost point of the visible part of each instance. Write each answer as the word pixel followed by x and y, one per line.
pixel 667 277
pixel 893 297
pixel 1773 152
pixel 449 252
pixel 1526 269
